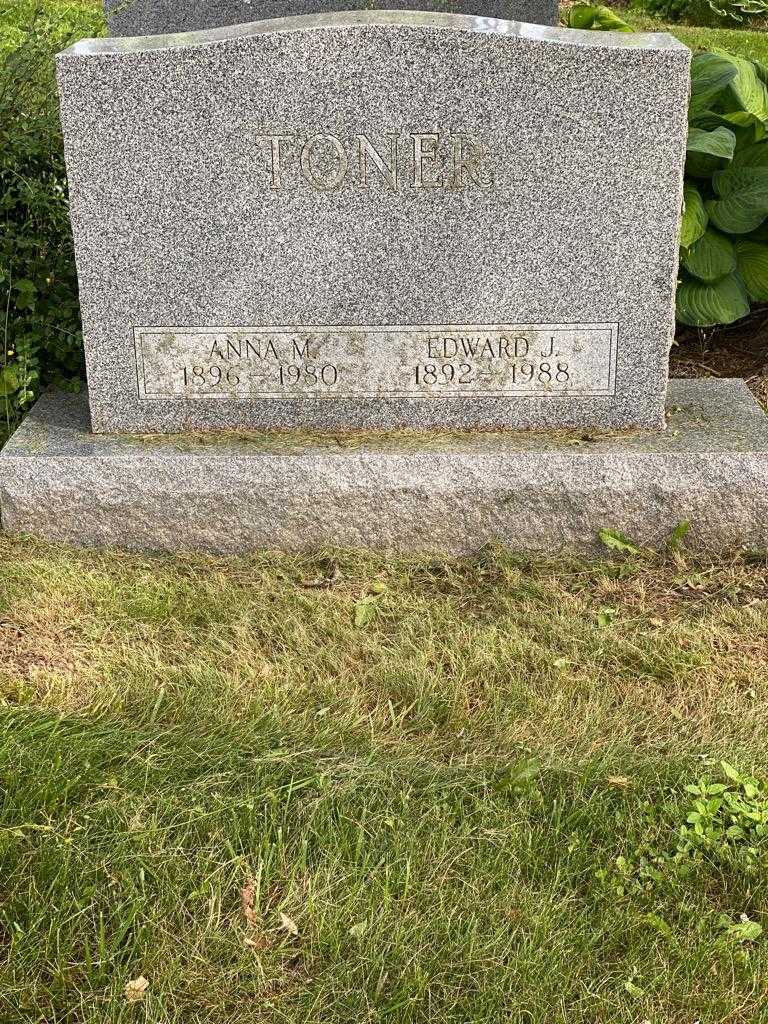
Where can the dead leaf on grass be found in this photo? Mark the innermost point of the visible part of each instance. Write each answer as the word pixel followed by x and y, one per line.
pixel 288 924
pixel 333 577
pixel 136 989
pixel 246 902
pixel 619 781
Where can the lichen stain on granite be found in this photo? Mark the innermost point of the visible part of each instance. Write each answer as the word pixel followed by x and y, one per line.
pixel 281 442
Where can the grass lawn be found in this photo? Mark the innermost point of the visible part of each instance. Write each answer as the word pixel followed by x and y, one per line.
pixel 741 41
pixel 80 18
pixel 289 789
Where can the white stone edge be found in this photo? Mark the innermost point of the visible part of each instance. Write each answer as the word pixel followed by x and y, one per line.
pixel 392 19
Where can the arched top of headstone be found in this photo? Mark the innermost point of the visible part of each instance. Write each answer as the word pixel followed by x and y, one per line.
pixel 386 19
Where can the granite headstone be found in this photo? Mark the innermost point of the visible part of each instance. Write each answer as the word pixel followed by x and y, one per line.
pixel 376 219
pixel 155 17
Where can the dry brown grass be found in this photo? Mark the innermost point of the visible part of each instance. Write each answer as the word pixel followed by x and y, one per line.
pixel 499 651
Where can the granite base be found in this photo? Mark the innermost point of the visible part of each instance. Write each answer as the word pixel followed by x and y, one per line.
pixel 396 492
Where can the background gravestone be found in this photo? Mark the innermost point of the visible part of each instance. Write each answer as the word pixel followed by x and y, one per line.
pixel 150 17
pixel 376 220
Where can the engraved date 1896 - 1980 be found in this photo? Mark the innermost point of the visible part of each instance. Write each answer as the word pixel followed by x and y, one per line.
pixel 229 360
pixel 286 375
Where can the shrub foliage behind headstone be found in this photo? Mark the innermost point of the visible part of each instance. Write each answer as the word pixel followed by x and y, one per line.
pixel 39 313
pixel 724 238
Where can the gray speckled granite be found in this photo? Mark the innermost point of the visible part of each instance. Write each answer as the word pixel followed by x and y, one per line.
pixel 538 180
pixel 450 492
pixel 152 17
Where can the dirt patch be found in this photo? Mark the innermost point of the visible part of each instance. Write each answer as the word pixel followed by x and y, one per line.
pixel 740 350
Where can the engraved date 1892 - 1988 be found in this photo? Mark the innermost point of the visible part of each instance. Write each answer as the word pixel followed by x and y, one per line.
pixel 526 364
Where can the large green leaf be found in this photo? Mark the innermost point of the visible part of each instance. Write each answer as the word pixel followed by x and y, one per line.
pixel 703 305
pixel 746 125
pixel 710 258
pixel 581 16
pixel 743 202
pixel 762 71
pixel 9 380
pixel 720 142
pixel 711 74
pixel 734 180
pixel 695 219
pixel 709 119
pixel 747 89
pixel 703 165
pixel 753 266
pixel 608 21
pixel 754 155
pixel 596 16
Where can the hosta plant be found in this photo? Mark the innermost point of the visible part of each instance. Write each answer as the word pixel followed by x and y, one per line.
pixel 739 10
pixel 596 17
pixel 724 235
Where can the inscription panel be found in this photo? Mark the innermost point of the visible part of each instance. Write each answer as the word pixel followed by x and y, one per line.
pixel 391 161
pixel 424 361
